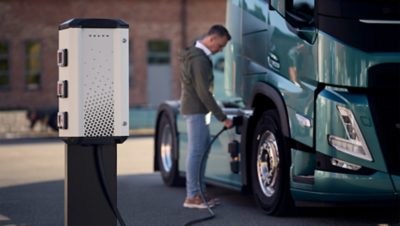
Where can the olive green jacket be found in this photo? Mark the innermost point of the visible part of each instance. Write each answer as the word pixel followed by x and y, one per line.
pixel 197 80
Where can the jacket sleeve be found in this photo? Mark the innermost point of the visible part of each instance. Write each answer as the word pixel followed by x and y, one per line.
pixel 202 71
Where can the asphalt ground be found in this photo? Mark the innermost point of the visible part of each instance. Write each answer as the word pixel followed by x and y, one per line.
pixel 32 193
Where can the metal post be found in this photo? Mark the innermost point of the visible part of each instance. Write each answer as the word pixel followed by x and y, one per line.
pixel 85 202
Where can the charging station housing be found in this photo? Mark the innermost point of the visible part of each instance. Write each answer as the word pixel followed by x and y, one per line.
pixel 93 117
pixel 93 83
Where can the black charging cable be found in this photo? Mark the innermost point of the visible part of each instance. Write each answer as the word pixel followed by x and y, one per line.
pixel 202 195
pixel 100 172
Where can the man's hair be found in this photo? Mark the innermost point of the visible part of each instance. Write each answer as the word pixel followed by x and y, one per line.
pixel 220 31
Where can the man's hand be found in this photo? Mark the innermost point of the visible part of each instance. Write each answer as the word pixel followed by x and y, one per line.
pixel 228 123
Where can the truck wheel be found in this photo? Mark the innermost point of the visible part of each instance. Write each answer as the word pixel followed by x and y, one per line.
pixel 270 166
pixel 167 151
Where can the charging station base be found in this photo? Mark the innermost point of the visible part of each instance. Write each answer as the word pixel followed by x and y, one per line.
pixel 85 202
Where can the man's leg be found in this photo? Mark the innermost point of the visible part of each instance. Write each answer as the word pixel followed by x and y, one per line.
pixel 198 137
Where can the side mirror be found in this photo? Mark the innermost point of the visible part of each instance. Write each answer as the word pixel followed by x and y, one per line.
pixel 309 34
pixel 302 26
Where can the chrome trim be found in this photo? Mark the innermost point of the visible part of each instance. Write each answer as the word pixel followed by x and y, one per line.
pixel 380 21
pixel 345 165
pixel 268 163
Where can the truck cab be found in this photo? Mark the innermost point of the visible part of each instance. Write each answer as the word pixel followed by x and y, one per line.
pixel 317 86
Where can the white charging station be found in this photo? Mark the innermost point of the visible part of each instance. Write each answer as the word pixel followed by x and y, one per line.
pixel 93 117
pixel 93 83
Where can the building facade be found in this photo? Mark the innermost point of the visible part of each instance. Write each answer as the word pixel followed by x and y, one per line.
pixel 159 29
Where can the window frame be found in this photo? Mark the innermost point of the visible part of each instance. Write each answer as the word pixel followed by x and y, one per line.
pixel 150 53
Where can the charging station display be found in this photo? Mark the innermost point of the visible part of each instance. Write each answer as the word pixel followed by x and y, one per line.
pixel 93 83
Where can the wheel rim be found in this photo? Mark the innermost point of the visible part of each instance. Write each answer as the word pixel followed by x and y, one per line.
pixel 166 148
pixel 268 163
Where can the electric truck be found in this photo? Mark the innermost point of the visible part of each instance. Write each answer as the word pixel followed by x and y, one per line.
pixel 314 88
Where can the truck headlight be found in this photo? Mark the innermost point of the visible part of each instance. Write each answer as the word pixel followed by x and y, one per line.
pixel 354 144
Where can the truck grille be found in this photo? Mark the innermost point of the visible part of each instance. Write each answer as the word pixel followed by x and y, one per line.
pixel 384 100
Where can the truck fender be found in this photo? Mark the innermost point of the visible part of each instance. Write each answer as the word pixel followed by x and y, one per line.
pixel 264 97
pixel 273 99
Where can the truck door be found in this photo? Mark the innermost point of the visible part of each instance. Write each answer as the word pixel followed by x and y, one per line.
pixel 292 56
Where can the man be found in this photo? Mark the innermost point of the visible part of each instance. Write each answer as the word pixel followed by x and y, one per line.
pixel 196 102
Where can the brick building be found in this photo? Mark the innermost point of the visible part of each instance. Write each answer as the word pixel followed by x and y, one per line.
pixel 158 31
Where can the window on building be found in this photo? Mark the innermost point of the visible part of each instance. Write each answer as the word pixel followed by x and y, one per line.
pixel 4 65
pixel 33 71
pixel 158 52
pixel 158 72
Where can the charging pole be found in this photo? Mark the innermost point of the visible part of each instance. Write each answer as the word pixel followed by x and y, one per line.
pixel 93 115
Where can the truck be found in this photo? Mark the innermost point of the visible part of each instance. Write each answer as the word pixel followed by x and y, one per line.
pixel 315 85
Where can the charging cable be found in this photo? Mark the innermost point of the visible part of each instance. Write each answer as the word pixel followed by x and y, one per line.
pixel 202 195
pixel 106 191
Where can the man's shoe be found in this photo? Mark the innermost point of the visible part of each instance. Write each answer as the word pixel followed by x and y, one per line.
pixel 196 202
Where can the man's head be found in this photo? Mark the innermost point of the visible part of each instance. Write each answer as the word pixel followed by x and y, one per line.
pixel 216 38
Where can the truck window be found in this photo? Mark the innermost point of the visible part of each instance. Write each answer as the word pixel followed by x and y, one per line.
pixel 300 13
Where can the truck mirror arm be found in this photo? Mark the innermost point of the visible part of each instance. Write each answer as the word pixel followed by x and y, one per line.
pixel 305 29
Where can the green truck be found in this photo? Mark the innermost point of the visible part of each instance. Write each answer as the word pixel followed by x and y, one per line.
pixel 316 86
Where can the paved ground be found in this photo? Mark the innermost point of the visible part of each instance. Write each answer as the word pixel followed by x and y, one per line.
pixel 31 193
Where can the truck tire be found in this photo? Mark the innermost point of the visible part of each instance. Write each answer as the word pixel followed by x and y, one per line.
pixel 167 152
pixel 270 166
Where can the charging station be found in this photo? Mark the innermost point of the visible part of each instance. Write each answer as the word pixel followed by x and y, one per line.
pixel 93 115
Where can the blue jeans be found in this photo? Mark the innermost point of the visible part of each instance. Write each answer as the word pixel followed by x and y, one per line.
pixel 198 139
